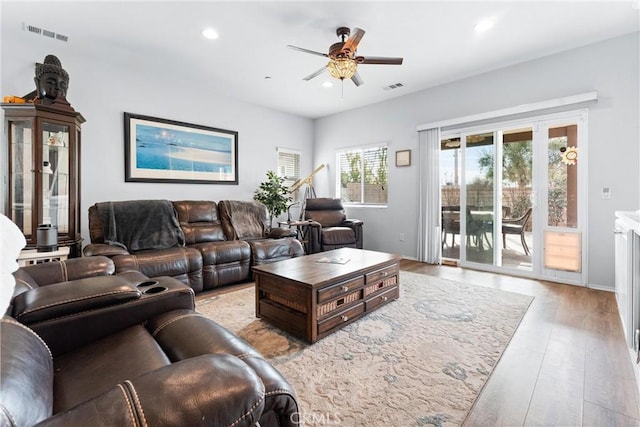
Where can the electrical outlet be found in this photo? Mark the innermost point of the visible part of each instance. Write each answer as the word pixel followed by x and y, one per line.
pixel 402 237
pixel 606 192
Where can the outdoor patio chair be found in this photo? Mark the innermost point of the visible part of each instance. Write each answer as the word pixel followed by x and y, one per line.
pixel 476 229
pixel 516 226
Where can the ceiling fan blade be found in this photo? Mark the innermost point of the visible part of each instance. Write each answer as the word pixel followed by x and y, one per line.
pixel 357 80
pixel 351 44
pixel 316 73
pixel 313 52
pixel 379 60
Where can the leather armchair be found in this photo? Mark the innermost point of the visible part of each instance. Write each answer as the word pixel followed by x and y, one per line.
pixel 106 350
pixel 329 227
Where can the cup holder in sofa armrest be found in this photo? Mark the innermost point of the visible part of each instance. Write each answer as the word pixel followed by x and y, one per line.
pixel 155 290
pixel 150 287
pixel 66 298
pixel 147 283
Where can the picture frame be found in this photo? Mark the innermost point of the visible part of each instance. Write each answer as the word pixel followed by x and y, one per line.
pixel 403 158
pixel 169 151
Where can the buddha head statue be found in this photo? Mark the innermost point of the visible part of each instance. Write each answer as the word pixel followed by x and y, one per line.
pixel 52 81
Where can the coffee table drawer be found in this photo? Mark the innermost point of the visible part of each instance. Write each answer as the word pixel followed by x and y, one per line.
pixel 380 285
pixel 383 298
pixel 339 289
pixel 382 274
pixel 328 308
pixel 340 318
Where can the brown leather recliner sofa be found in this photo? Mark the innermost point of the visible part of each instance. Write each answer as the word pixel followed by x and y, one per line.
pixel 188 240
pixel 81 346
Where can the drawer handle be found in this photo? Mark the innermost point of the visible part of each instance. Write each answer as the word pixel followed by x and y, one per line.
pixel 344 318
pixel 345 288
pixel 384 299
pixel 385 273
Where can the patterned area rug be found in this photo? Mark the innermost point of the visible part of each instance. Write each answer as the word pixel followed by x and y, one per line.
pixel 421 360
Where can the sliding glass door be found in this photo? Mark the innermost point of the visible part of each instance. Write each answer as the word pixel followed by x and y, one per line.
pixel 494 224
pixel 516 229
pixel 510 197
pixel 450 160
pixel 479 197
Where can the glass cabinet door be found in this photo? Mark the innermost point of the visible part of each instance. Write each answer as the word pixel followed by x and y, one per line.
pixel 55 176
pixel 21 175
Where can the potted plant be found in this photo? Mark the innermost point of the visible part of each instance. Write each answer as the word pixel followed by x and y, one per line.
pixel 273 194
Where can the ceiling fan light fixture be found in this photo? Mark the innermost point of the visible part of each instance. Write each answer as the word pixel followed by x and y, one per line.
pixel 342 68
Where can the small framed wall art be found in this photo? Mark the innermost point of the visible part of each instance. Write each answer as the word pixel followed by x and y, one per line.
pixel 403 158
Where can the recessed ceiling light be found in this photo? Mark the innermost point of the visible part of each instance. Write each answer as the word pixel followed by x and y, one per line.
pixel 483 25
pixel 210 33
pixel 327 84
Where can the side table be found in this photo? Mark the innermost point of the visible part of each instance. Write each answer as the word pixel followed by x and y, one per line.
pixel 32 256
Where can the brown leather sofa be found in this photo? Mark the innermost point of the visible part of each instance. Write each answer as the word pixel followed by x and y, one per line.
pixel 213 251
pixel 329 228
pixel 80 346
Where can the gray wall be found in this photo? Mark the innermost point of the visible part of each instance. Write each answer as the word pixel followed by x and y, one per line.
pixel 610 68
pixel 102 88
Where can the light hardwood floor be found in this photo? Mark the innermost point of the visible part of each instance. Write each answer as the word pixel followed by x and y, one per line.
pixel 567 364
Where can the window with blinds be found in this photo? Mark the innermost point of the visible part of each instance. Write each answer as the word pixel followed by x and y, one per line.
pixel 362 175
pixel 289 165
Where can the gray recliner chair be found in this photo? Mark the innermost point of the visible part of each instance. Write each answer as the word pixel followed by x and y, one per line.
pixel 329 227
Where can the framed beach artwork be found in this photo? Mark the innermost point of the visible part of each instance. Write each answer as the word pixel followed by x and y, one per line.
pixel 160 150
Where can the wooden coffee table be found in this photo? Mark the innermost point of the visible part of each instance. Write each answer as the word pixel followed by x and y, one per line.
pixel 314 295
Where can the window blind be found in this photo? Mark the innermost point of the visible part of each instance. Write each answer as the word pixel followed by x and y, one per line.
pixel 362 175
pixel 289 166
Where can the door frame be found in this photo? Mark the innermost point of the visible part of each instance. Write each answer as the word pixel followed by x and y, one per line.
pixel 539 123
pixel 579 117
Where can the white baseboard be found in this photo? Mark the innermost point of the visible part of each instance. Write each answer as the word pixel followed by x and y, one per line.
pixel 600 288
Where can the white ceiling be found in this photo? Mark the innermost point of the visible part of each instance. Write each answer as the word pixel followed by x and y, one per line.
pixel 436 39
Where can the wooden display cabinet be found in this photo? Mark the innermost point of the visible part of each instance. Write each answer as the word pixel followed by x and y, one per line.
pixel 41 168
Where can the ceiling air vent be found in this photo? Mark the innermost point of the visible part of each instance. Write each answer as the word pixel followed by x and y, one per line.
pixel 393 86
pixel 33 29
pixel 46 33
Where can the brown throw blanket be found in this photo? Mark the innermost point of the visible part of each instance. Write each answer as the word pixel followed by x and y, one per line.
pixel 247 218
pixel 140 224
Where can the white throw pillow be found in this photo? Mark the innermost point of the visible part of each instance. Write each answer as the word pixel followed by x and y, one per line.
pixel 11 243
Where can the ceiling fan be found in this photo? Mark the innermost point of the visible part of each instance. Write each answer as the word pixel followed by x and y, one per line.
pixel 343 61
